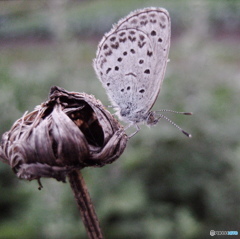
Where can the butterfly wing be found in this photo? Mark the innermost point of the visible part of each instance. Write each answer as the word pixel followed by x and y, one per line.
pixel 131 60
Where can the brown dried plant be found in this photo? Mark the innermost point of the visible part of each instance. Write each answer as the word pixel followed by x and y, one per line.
pixel 68 132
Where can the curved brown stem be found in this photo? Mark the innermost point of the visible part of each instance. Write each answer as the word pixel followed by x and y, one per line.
pixel 85 205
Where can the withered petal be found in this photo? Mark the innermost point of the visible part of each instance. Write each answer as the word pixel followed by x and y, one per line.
pixel 71 145
pixel 111 151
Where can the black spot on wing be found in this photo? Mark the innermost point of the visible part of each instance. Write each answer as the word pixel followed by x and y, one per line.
pixel 147 71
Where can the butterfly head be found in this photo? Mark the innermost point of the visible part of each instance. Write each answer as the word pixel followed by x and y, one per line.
pixel 152 119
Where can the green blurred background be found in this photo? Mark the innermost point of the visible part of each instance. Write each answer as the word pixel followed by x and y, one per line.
pixel 165 185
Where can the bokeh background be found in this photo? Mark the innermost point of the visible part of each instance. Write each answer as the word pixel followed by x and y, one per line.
pixel 165 185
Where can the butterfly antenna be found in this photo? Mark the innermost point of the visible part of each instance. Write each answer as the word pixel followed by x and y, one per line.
pixel 176 112
pixel 178 127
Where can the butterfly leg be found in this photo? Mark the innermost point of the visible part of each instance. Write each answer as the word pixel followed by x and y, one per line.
pixel 137 129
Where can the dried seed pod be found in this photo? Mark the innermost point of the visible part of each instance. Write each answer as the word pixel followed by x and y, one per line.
pixel 69 131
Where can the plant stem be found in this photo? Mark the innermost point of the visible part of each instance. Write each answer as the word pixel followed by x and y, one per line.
pixel 85 205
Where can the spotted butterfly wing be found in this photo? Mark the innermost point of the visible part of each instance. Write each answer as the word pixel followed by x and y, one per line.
pixel 131 61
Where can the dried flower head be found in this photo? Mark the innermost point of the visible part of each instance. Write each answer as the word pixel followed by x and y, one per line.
pixel 69 131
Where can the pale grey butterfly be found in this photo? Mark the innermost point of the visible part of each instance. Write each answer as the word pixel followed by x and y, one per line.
pixel 131 62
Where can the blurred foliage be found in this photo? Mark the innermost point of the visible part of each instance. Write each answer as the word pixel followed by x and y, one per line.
pixel 165 185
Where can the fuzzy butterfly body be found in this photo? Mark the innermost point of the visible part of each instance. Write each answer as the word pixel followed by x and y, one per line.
pixel 131 62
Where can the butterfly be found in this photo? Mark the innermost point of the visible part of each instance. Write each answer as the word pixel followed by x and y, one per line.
pixel 131 62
